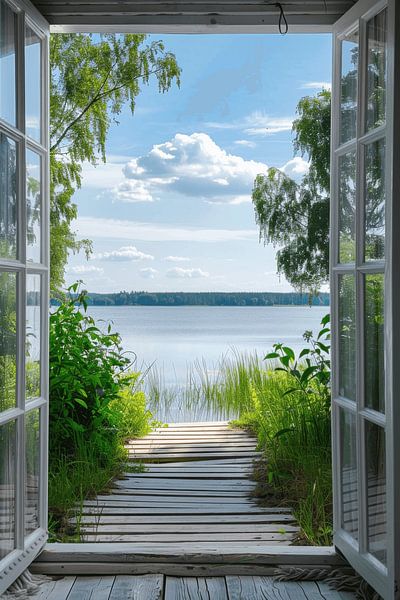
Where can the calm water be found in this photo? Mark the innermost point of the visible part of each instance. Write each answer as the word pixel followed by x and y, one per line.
pixel 173 338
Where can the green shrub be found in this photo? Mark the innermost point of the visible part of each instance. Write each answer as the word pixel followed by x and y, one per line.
pixel 85 369
pixel 128 412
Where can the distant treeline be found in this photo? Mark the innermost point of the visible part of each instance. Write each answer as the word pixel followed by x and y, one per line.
pixel 206 299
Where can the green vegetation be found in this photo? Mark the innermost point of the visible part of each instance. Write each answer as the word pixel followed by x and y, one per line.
pixel 93 77
pixel 295 215
pixel 206 299
pixel 95 403
pixel 287 404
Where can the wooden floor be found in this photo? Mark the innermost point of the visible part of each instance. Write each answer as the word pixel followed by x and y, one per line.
pixel 195 489
pixel 158 587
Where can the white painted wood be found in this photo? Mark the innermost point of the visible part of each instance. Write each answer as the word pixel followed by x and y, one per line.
pixel 122 526
pixel 55 590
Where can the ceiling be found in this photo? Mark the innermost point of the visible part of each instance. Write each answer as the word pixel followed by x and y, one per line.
pixel 190 16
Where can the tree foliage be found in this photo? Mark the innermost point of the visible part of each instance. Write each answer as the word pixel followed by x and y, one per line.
pixel 295 216
pixel 92 79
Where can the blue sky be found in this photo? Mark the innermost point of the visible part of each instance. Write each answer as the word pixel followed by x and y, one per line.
pixel 171 210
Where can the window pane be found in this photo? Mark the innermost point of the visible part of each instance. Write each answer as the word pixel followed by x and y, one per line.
pixel 8 197
pixel 375 200
pixel 32 429
pixel 8 340
pixel 33 336
pixel 7 488
pixel 33 94
pixel 376 495
pixel 7 63
pixel 374 343
pixel 348 470
pixel 376 75
pixel 348 87
pixel 33 205
pixel 347 207
pixel 347 337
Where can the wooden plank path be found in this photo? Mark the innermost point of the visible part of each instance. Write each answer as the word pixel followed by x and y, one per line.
pixel 195 489
pixel 158 587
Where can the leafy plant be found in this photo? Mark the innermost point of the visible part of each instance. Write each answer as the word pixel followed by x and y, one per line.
pixel 85 369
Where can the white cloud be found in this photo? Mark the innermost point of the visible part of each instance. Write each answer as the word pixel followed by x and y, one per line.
pixel 179 273
pixel 126 253
pixel 191 165
pixel 257 123
pixel 79 269
pixel 316 85
pixel 148 273
pixel 176 259
pixel 246 143
pixel 114 229
pixel 295 168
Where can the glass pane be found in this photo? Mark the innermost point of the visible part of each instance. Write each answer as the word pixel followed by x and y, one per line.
pixel 8 340
pixel 376 495
pixel 32 429
pixel 376 75
pixel 374 343
pixel 347 207
pixel 32 336
pixel 7 63
pixel 347 337
pixel 348 87
pixel 33 205
pixel 375 200
pixel 7 488
pixel 348 470
pixel 33 94
pixel 8 197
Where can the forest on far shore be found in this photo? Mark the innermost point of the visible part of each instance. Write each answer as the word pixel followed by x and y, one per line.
pixel 206 299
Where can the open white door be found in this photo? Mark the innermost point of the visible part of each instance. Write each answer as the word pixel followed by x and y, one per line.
pixel 363 288
pixel 23 286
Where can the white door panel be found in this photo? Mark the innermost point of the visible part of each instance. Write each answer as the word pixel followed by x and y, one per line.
pixel 23 286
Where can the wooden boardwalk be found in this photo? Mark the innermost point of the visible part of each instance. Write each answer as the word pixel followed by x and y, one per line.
pixel 158 587
pixel 195 489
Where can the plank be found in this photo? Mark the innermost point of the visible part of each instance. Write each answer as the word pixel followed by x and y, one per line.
pixel 91 588
pixel 190 484
pixel 55 590
pixel 99 535
pixel 131 587
pixel 238 527
pixel 108 517
pixel 141 490
pixel 187 444
pixel 193 455
pixel 168 498
pixel 195 588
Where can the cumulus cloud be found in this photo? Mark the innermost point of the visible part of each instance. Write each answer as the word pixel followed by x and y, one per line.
pixel 148 273
pixel 175 259
pixel 179 273
pixel 79 269
pixel 124 254
pixel 316 85
pixel 191 165
pixel 295 168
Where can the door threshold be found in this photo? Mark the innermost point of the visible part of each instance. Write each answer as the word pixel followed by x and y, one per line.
pixel 186 559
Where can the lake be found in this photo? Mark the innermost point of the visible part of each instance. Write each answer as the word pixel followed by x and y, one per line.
pixel 170 340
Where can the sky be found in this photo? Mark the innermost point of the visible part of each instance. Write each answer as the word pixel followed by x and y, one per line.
pixel 171 209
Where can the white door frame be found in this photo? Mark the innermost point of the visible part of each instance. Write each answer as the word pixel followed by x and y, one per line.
pixel 382 578
pixel 26 547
